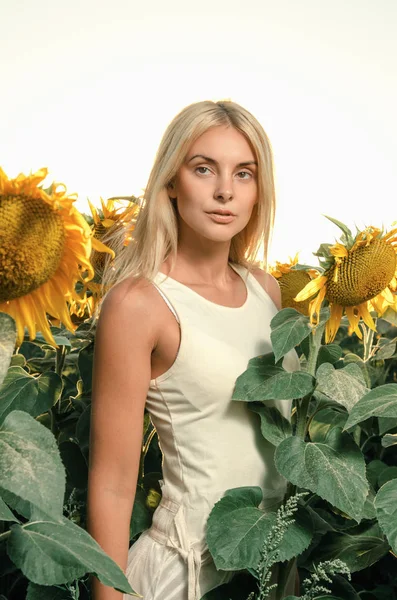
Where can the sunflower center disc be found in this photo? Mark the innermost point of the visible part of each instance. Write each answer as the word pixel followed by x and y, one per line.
pixel 362 275
pixel 32 238
pixel 290 285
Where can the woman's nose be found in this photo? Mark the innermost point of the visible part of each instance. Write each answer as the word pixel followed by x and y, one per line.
pixel 224 189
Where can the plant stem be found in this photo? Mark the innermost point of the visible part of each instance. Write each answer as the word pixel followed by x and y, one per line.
pixel 5 535
pixel 303 405
pixel 368 340
pixel 315 344
pixel 60 359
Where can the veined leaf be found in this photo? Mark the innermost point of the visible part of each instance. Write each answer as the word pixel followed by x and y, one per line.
pixel 386 511
pixel 379 402
pixel 50 553
pixel 289 328
pixel 8 336
pixel 330 353
pixel 359 547
pixel 34 395
pixel 237 529
pixel 346 386
pixel 5 513
pixel 259 369
pixel 324 421
pixel 277 385
pixel 274 426
pixel 334 471
pixel 390 439
pixel 386 424
pixel 30 466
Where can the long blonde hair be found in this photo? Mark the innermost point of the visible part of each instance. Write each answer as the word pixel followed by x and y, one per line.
pixel 155 235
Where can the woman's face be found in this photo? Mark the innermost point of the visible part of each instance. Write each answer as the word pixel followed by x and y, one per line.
pixel 219 174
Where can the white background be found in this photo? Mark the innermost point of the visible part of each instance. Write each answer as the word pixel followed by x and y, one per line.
pixel 88 88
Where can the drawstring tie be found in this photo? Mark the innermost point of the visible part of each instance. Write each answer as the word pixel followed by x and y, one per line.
pixel 190 553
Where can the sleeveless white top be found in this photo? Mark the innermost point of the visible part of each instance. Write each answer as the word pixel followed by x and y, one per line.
pixel 210 443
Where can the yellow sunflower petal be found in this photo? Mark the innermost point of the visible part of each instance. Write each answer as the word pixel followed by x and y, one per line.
pixel 339 250
pixel 333 322
pixel 315 305
pixel 365 315
pixel 387 295
pixel 108 222
pixel 354 319
pixel 94 213
pixel 311 288
pixel 100 247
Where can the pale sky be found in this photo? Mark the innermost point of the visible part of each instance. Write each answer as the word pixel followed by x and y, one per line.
pixel 88 88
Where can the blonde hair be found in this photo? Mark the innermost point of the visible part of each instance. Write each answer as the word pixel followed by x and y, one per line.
pixel 155 235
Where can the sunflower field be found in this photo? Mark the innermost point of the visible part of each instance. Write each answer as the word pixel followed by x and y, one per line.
pixel 338 451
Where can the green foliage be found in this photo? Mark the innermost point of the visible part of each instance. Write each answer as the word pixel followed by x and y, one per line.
pixel 30 465
pixel 335 470
pixel 274 426
pixel 50 553
pixel 386 511
pixel 345 386
pixel 44 444
pixel 339 446
pixel 237 529
pixel 380 402
pixel 264 381
pixel 332 446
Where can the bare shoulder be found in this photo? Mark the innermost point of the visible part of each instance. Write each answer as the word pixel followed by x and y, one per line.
pixel 269 284
pixel 129 305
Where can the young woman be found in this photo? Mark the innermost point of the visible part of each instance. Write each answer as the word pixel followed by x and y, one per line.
pixel 188 308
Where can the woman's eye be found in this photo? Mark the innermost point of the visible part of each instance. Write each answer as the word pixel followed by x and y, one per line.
pixel 244 173
pixel 202 173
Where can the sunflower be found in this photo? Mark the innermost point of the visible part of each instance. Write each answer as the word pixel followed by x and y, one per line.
pixel 359 277
pixel 292 278
pixel 45 247
pixel 113 219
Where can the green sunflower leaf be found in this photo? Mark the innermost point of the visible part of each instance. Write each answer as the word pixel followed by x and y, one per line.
pixel 5 513
pixel 335 470
pixel 324 421
pixel 50 553
pixel 237 530
pixel 390 439
pixel 379 402
pixel 274 426
pixel 345 386
pixel 359 547
pixel 277 384
pixel 289 328
pixel 386 511
pixel 34 395
pixel 30 466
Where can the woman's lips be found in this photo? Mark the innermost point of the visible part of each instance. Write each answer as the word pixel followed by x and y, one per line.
pixel 222 218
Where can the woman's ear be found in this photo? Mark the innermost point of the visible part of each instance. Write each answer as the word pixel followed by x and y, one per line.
pixel 171 189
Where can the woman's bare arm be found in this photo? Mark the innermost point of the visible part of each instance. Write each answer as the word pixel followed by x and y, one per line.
pixel 122 368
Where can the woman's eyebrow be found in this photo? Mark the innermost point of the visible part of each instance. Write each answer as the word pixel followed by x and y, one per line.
pixel 215 162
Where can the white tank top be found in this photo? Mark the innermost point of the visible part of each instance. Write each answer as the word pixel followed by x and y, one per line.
pixel 211 443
